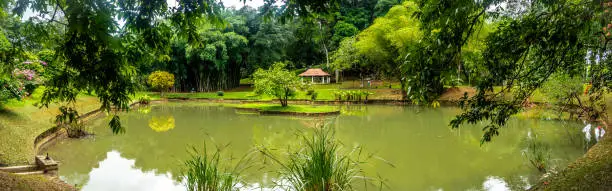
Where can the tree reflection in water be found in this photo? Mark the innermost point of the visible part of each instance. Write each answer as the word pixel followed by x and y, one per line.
pixel 162 123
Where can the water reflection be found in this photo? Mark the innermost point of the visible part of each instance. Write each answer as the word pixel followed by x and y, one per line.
pixel 416 140
pixel 118 173
pixel 161 123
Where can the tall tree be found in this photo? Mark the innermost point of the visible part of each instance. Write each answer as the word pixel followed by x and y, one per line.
pixel 93 55
pixel 381 47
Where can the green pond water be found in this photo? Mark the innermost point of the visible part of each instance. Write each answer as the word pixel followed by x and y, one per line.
pixel 406 147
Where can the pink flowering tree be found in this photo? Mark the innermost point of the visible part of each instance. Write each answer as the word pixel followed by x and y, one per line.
pixel 28 75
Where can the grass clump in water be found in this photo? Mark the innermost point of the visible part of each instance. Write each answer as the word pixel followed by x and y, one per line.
pixel 204 172
pixel 319 165
pixel 537 153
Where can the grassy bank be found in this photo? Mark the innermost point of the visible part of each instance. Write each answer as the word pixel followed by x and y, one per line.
pixel 325 92
pixel 289 109
pixel 592 171
pixel 22 121
pixel 32 182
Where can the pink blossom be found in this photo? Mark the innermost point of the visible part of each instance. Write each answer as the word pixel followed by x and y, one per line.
pixel 43 63
pixel 27 73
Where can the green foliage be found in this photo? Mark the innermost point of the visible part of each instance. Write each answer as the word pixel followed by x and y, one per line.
pixel 220 93
pixel 161 80
pixel 382 47
pixel 346 56
pixel 276 81
pixel 144 100
pixel 320 164
pixel 115 125
pixel 94 53
pixel 204 172
pixel 352 95
pixel 383 6
pixel 563 89
pixel 214 65
pixel 313 95
pixel 524 52
pixel 69 119
pixel 343 30
pixel 537 153
pixel 310 91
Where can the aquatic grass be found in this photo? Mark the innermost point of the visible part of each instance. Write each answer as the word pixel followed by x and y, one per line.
pixel 319 165
pixel 144 100
pixel 207 172
pixel 537 153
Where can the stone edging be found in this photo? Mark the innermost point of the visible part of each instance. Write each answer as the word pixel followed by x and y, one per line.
pixel 54 134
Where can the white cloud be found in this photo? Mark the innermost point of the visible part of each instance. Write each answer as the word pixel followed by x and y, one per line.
pixel 118 173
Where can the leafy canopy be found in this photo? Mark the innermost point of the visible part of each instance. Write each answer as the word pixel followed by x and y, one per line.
pixel 276 81
pixel 532 42
pixel 161 80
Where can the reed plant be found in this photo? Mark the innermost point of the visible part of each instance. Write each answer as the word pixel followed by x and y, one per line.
pixel 537 153
pixel 318 165
pixel 207 172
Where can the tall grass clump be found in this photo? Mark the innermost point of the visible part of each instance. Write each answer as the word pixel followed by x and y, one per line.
pixel 537 153
pixel 319 165
pixel 207 172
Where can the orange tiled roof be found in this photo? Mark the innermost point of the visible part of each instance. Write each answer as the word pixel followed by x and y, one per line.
pixel 314 72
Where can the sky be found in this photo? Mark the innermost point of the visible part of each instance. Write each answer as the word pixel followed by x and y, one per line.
pixel 231 3
pixel 228 3
pixel 239 4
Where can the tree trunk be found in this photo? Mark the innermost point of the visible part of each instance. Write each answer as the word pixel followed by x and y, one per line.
pixel 284 97
pixel 324 45
pixel 337 75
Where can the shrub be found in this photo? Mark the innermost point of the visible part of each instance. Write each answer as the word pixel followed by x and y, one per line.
pixel 352 95
pixel 537 153
pixel 220 93
pixel 161 80
pixel 69 119
pixel 277 81
pixel 313 96
pixel 144 100
pixel 310 91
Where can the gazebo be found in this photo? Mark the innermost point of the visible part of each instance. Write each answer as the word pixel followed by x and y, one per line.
pixel 316 76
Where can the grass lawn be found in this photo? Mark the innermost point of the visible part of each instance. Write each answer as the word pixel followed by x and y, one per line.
pixel 31 182
pixel 289 108
pixel 325 92
pixel 211 95
pixel 22 121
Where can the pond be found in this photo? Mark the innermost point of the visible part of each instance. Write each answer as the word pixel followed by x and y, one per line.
pixel 407 147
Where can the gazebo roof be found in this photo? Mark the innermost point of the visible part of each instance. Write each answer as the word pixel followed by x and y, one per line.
pixel 314 72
